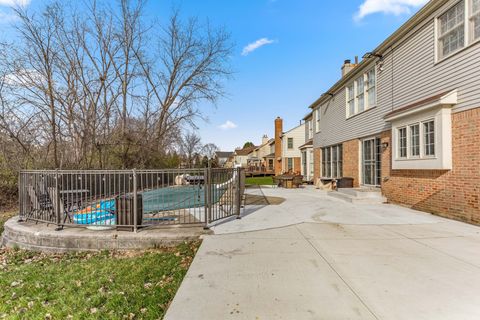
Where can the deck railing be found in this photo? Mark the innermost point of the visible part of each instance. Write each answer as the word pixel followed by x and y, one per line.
pixel 130 199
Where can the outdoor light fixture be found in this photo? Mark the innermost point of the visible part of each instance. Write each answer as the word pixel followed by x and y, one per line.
pixel 369 55
pixel 384 145
pixel 328 94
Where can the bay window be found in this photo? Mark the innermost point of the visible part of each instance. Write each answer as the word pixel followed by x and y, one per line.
pixel 402 142
pixel 361 94
pixel 332 162
pixel 429 138
pixel 415 140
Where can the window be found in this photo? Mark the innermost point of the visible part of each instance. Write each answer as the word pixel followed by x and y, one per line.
pixel 429 138
pixel 290 143
pixel 351 100
pixel 270 164
pixel 475 19
pixel 362 93
pixel 332 162
pixel 289 164
pixel 310 129
pixel 402 142
pixel 371 88
pixel 451 30
pixel 360 100
pixel 317 119
pixel 415 140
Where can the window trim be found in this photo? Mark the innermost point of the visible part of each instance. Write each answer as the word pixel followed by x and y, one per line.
pixel 327 165
pixel 422 154
pixel 290 139
pixel 354 84
pixel 317 119
pixel 468 31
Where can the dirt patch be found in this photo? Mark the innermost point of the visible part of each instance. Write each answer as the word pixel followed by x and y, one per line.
pixel 261 200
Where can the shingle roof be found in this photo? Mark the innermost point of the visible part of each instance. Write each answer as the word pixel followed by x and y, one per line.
pixel 244 151
pixel 224 154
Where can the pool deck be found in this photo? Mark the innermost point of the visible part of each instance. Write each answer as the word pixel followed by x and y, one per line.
pixel 317 257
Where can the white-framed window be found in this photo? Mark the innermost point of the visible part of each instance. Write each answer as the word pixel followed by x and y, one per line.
pixel 290 143
pixel 310 129
pixel 289 164
pixel 332 162
pixel 360 98
pixel 451 30
pixel 416 140
pixel 351 100
pixel 318 115
pixel 372 88
pixel 429 138
pixel 361 94
pixel 475 19
pixel 402 142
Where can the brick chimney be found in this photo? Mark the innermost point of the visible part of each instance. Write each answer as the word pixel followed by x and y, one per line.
pixel 349 66
pixel 278 145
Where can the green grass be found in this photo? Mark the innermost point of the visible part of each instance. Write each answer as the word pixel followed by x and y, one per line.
pixel 259 181
pixel 4 216
pixel 106 285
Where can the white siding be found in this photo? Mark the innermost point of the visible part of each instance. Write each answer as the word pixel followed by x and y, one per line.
pixel 298 135
pixel 409 74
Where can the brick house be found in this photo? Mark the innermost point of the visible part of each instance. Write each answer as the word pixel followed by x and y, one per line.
pixel 406 119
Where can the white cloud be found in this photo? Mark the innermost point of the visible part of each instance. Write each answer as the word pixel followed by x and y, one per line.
pixel 228 125
pixel 13 3
pixel 396 7
pixel 255 45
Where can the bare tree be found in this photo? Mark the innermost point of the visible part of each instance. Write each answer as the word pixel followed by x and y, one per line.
pixel 191 147
pixel 209 150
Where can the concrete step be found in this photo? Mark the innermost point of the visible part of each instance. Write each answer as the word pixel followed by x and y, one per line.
pixel 359 196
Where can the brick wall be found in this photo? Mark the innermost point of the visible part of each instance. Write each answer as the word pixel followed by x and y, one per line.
pixel 351 161
pixel 450 193
pixel 297 166
pixel 317 158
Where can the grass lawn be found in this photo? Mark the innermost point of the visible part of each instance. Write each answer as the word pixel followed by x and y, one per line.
pixel 259 181
pixel 106 285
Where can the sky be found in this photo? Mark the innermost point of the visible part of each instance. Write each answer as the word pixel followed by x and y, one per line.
pixel 287 53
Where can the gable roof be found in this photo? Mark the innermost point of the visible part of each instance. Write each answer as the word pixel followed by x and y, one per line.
pixel 244 151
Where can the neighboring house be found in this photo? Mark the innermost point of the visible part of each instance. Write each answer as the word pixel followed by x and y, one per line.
pixel 307 161
pixel 407 117
pixel 241 156
pixel 287 152
pixel 257 161
pixel 222 157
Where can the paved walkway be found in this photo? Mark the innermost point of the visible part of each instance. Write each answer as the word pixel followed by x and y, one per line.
pixel 316 257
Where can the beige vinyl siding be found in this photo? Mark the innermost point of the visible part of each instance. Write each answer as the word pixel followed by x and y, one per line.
pixel 409 74
pixel 298 135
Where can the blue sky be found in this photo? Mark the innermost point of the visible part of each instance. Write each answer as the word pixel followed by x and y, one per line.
pixel 306 42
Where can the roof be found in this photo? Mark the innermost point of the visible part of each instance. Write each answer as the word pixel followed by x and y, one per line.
pixel 271 155
pixel 244 151
pixel 444 98
pixel 306 145
pixel 224 154
pixel 264 144
pixel 407 27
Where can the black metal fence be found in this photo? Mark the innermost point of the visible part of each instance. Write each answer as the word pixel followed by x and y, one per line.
pixel 130 199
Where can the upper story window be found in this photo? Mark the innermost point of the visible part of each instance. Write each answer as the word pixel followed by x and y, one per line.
pixel 362 94
pixel 458 27
pixel 475 19
pixel 451 33
pixel 317 119
pixel 310 129
pixel 290 143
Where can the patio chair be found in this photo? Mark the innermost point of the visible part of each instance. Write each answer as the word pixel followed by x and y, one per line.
pixel 40 204
pixel 58 204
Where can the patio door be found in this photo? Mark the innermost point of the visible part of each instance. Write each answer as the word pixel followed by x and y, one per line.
pixel 371 162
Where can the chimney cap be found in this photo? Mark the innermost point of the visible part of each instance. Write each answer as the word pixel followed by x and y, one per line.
pixel 348 61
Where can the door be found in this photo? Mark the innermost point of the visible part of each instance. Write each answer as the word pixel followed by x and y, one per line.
pixel 371 162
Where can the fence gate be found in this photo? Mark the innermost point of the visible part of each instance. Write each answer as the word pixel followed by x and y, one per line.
pixel 224 193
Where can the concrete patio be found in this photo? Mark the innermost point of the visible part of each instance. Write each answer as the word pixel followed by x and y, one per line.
pixel 316 257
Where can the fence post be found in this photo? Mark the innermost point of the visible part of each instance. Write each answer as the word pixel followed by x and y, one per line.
pixel 21 202
pixel 56 196
pixel 134 171
pixel 239 191
pixel 206 195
